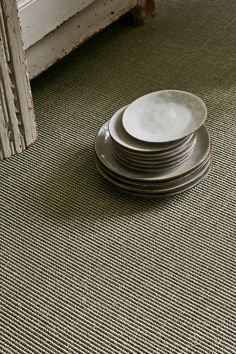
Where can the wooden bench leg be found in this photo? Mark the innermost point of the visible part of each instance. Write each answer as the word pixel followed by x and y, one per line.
pixel 17 119
pixel 143 11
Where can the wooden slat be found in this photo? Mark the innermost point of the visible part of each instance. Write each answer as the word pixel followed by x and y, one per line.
pixel 4 35
pixel 40 17
pixel 143 11
pixel 10 118
pixel 5 148
pixel 17 121
pixel 21 74
pixel 74 32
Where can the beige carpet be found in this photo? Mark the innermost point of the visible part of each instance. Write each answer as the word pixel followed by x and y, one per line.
pixel 87 269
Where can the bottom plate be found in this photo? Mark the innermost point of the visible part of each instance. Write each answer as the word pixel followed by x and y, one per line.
pixel 160 192
pixel 170 194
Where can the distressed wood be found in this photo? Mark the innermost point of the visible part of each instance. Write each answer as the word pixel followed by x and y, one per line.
pixel 73 32
pixel 17 119
pixel 143 11
pixel 40 17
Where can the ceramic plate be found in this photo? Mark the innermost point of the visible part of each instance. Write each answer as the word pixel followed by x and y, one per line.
pixel 164 116
pixel 163 154
pixel 122 139
pixel 155 184
pixel 177 186
pixel 153 167
pixel 104 151
pixel 157 160
pixel 170 194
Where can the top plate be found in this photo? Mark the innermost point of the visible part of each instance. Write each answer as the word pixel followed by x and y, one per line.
pixel 132 145
pixel 164 116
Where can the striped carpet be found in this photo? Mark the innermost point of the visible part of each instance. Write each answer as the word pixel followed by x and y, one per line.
pixel 87 269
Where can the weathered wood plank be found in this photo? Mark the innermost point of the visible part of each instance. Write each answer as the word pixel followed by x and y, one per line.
pixel 75 31
pixel 8 99
pixel 4 35
pixel 17 120
pixel 23 90
pixel 40 17
pixel 5 148
pixel 143 11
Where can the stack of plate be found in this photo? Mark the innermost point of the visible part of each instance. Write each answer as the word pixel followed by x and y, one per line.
pixel 157 146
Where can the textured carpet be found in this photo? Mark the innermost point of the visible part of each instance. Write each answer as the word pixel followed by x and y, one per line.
pixel 87 269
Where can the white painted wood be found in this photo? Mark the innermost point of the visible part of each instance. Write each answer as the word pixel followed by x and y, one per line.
pixel 40 17
pixel 73 32
pixel 17 120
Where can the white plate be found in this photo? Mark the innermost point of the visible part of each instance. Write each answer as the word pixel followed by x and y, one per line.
pixel 164 116
pixel 124 140
pixel 104 151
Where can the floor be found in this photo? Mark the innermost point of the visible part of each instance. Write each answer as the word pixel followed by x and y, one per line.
pixel 87 269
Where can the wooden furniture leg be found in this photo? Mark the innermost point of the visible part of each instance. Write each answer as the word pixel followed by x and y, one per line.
pixel 17 119
pixel 143 11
